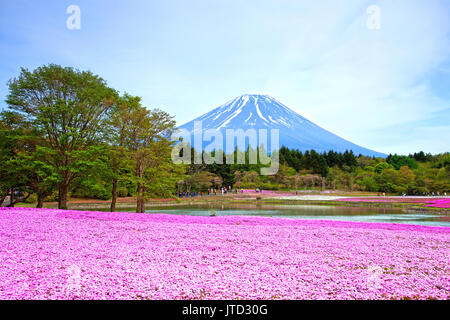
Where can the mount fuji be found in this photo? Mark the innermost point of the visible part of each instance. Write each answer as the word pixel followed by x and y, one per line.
pixel 252 111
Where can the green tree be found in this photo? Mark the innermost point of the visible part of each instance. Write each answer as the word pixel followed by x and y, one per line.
pixel 8 151
pixel 388 180
pixel 381 166
pixel 70 107
pixel 406 179
pixel 399 161
pixel 145 135
pixel 23 160
pixel 120 158
pixel 37 176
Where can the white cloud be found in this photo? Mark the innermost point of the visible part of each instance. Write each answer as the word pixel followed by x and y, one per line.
pixel 317 57
pixel 358 80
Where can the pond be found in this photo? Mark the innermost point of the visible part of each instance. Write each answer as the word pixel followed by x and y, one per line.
pixel 362 214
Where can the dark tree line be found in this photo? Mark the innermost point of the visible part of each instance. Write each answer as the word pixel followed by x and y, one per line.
pixel 318 163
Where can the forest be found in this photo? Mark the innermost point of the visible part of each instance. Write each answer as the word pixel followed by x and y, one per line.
pixel 415 174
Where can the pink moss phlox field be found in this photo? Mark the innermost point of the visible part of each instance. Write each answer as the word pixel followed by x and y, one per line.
pixel 437 202
pixel 440 203
pixel 264 192
pixel 55 254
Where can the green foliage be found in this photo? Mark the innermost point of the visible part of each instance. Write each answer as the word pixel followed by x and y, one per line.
pixel 421 156
pixel 399 161
pixel 317 163
pixel 143 135
pixel 70 108
pixel 307 170
pixel 369 184
pixel 66 130
pixel 380 167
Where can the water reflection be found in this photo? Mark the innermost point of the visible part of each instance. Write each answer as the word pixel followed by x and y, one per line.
pixel 363 214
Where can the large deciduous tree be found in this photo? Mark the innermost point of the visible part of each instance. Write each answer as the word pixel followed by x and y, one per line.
pixel 146 136
pixel 23 161
pixel 71 109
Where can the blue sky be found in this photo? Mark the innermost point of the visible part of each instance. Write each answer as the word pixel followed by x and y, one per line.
pixel 386 89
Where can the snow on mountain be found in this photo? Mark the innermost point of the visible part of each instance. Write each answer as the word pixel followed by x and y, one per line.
pixel 264 112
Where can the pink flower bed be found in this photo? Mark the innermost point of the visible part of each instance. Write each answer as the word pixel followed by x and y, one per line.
pixel 264 192
pixel 432 202
pixel 55 254
pixel 440 203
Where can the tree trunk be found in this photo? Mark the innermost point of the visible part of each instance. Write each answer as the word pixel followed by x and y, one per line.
pixel 12 200
pixel 40 200
pixel 2 199
pixel 62 195
pixel 114 195
pixel 140 205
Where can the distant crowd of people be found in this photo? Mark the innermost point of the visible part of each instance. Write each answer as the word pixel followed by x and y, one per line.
pixel 432 194
pixel 425 194
pixel 211 191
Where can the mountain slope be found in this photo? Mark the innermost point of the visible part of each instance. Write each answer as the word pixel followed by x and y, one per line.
pixel 264 112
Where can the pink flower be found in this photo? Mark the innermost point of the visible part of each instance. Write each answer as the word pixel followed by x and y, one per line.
pixel 55 254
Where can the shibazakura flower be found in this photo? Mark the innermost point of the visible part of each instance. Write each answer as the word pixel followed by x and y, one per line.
pixel 429 202
pixel 55 254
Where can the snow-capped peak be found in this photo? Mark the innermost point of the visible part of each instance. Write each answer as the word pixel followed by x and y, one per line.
pixel 251 110
pixel 256 111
